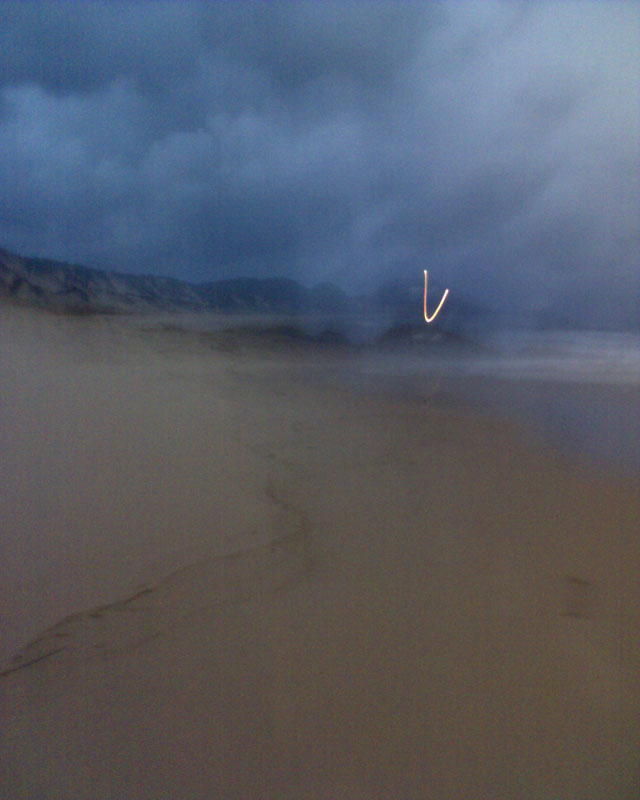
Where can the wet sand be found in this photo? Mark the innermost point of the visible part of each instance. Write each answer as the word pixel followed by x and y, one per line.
pixel 228 574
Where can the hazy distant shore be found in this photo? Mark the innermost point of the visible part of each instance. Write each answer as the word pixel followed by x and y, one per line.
pixel 229 572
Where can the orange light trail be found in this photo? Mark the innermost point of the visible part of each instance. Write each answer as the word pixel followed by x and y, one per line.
pixel 437 311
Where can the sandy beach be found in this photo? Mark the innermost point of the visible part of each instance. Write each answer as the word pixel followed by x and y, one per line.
pixel 227 573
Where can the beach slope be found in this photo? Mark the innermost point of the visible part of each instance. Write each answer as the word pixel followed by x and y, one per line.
pixel 229 574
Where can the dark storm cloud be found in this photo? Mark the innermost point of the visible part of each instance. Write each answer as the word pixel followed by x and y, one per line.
pixel 68 47
pixel 495 144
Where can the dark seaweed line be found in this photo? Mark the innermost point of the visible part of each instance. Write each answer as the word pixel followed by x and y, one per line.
pixel 32 661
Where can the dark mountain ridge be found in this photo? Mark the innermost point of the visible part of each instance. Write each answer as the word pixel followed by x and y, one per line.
pixel 392 313
pixel 68 287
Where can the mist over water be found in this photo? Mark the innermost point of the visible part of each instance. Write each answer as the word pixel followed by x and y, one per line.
pixel 579 389
pixel 580 356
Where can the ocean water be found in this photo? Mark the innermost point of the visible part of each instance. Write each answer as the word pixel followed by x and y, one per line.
pixel 579 390
pixel 586 357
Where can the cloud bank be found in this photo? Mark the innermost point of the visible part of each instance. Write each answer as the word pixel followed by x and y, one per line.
pixel 495 144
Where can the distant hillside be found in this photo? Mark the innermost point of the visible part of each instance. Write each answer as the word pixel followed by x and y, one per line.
pixel 392 313
pixel 58 286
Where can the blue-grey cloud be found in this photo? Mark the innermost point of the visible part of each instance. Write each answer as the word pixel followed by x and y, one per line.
pixel 496 144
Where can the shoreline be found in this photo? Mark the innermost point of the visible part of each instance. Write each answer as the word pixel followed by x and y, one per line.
pixel 348 593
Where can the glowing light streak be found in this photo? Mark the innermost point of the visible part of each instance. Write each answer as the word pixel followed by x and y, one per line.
pixel 437 311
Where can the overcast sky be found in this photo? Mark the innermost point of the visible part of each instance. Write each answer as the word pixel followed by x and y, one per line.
pixel 495 144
